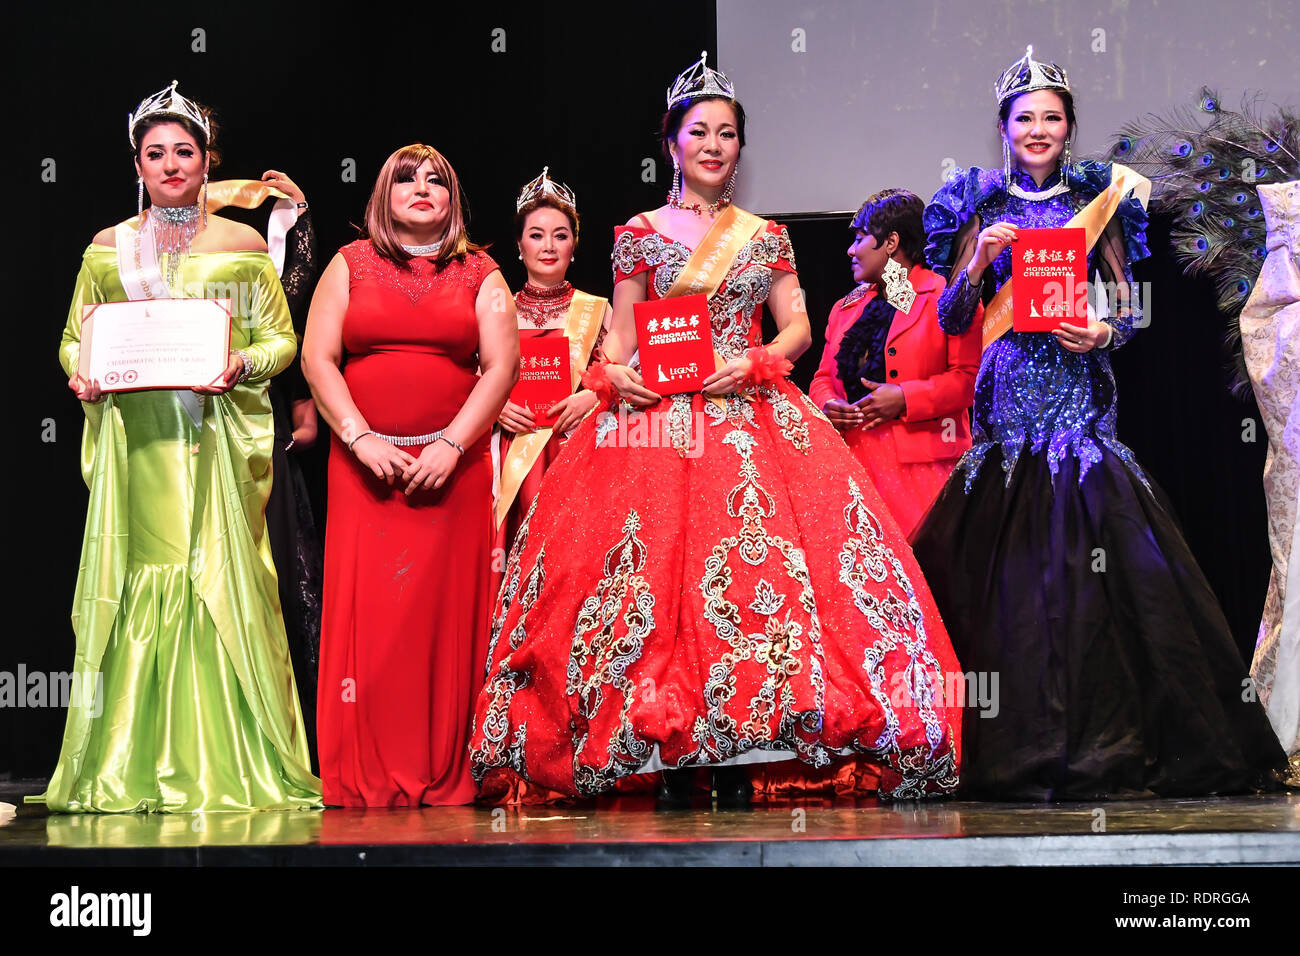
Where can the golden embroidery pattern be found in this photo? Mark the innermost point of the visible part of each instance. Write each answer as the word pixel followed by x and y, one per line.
pixel 865 557
pixel 601 654
pixel 788 417
pixel 510 587
pixel 744 289
pixel 506 682
pixel 679 423
pixel 775 647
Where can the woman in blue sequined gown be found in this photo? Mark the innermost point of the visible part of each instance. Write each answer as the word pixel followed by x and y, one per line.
pixel 1055 560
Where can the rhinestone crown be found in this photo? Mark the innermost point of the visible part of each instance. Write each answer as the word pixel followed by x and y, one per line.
pixel 700 80
pixel 1027 75
pixel 167 102
pixel 544 185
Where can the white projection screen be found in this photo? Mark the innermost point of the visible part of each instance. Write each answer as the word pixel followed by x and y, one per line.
pixel 844 98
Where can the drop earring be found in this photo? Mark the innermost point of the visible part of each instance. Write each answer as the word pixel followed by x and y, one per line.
pixel 725 201
pixel 1006 162
pixel 675 194
pixel 205 200
pixel 139 196
pixel 899 291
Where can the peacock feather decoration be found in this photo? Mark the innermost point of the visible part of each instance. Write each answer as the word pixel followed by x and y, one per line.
pixel 1204 162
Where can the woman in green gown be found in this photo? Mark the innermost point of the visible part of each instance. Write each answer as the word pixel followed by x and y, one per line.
pixel 189 701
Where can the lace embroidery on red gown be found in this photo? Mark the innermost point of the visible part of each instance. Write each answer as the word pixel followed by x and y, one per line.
pixel 698 585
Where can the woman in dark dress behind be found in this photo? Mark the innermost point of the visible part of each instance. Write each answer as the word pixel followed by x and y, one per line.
pixel 290 523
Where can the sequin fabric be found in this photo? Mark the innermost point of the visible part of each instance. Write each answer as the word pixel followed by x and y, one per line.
pixel 1030 392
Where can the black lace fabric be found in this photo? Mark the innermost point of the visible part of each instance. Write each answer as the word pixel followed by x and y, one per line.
pixel 299 268
pixel 291 526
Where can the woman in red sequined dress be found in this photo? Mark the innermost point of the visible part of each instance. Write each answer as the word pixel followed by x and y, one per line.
pixel 410 352
pixel 546 231
pixel 704 583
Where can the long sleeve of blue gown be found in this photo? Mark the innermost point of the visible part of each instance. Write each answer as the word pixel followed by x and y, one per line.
pixel 958 302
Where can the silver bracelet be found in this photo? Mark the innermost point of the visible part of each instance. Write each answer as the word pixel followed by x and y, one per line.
pixel 453 443
pixel 405 441
pixel 248 365
pixel 361 436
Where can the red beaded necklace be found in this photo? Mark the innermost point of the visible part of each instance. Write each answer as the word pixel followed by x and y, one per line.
pixel 539 306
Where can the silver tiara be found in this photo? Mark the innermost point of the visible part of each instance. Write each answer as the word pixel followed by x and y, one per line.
pixel 1027 75
pixel 544 185
pixel 167 102
pixel 699 80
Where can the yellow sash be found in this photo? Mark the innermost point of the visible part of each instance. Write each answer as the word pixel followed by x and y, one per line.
pixel 581 325
pixel 241 193
pixel 999 313
pixel 712 259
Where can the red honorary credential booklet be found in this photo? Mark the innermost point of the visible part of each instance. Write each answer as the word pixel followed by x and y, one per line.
pixel 1049 276
pixel 676 347
pixel 544 374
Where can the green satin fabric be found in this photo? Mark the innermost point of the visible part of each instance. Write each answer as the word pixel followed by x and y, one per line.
pixel 175 831
pixel 176 611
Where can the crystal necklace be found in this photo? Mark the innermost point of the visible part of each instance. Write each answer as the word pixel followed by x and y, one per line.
pixel 1015 189
pixel 174 228
pixel 431 249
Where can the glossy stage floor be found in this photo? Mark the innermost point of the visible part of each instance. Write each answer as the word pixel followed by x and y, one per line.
pixel 1217 831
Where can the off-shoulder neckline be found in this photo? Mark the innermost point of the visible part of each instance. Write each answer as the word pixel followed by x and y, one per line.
pixel 214 252
pixel 651 230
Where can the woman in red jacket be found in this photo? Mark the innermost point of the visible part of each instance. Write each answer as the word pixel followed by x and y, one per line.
pixel 896 386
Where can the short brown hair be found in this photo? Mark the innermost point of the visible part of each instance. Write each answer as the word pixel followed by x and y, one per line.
pixel 545 201
pixel 379 211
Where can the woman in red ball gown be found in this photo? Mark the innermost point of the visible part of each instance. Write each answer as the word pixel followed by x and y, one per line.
pixel 711 584
pixel 400 326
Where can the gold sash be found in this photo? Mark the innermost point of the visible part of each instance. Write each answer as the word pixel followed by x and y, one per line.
pixel 999 313
pixel 581 325
pixel 712 259
pixel 241 193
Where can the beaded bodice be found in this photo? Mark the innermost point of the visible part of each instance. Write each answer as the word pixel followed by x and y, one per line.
pixel 1031 392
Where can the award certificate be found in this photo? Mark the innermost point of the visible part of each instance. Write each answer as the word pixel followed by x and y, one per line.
pixel 154 343
pixel 675 344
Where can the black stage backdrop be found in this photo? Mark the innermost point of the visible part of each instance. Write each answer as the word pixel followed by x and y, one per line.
pixel 501 91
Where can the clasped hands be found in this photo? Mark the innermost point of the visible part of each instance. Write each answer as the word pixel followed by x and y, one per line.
pixel 520 420
pixel 883 403
pixel 391 464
